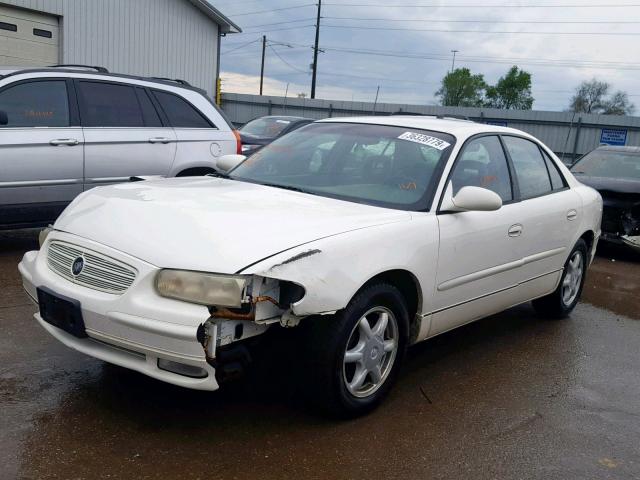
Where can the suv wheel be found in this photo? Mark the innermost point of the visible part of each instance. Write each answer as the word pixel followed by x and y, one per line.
pixel 564 299
pixel 195 172
pixel 355 355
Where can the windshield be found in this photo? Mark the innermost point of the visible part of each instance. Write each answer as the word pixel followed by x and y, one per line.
pixel 266 126
pixel 609 164
pixel 395 167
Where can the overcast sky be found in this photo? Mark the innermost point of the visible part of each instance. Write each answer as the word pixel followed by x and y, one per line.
pixel 558 63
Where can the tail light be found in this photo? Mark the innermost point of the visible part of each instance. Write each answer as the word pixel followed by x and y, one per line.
pixel 238 142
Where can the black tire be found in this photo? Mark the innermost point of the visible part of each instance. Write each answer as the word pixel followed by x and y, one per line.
pixel 555 305
pixel 325 375
pixel 195 172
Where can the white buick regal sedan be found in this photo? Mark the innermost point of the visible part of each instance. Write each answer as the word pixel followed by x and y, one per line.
pixel 365 234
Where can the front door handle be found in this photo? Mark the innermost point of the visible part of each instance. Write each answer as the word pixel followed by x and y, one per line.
pixel 515 230
pixel 159 140
pixel 572 215
pixel 64 141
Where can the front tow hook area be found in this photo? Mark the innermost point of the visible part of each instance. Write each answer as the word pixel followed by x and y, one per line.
pixel 231 362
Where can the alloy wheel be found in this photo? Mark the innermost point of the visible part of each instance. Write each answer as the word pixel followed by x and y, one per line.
pixel 572 278
pixel 371 352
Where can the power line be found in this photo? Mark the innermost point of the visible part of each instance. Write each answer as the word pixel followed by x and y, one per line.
pixel 273 10
pixel 436 20
pixel 482 59
pixel 282 23
pixel 481 31
pixel 281 29
pixel 481 5
pixel 241 46
pixel 285 62
pixel 498 60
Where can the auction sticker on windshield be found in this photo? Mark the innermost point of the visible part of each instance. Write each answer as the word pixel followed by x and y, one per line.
pixel 424 140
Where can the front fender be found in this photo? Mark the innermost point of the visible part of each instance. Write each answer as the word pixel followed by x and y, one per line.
pixel 333 269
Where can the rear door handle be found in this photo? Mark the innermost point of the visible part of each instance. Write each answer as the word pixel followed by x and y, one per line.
pixel 572 215
pixel 159 140
pixel 64 141
pixel 515 230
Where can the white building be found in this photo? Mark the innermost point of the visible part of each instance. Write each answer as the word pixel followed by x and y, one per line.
pixel 159 38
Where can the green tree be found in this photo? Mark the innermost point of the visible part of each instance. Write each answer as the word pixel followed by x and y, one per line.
pixel 593 97
pixel 462 89
pixel 512 92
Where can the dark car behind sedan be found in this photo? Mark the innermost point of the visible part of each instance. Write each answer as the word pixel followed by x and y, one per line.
pixel 615 173
pixel 262 131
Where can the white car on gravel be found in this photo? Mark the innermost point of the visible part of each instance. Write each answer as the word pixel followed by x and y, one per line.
pixel 366 235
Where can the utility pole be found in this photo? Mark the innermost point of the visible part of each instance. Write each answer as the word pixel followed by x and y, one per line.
pixel 315 53
pixel 375 103
pixel 453 63
pixel 264 48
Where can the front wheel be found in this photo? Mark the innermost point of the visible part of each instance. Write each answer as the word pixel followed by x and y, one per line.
pixel 355 355
pixel 564 299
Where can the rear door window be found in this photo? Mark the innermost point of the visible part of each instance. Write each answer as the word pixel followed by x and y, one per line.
pixel 109 105
pixel 36 104
pixel 530 167
pixel 557 181
pixel 181 114
pixel 149 113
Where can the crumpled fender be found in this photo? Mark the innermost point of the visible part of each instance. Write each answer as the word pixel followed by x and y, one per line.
pixel 333 269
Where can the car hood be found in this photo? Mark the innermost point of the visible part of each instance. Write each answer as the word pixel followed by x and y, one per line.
pixel 211 224
pixel 605 184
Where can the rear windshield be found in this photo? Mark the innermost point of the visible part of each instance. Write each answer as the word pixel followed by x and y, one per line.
pixel 395 167
pixel 609 164
pixel 266 127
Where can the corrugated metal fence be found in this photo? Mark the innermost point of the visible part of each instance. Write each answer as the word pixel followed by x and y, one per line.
pixel 568 134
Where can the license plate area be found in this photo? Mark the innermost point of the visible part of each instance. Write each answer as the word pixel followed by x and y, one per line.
pixel 61 312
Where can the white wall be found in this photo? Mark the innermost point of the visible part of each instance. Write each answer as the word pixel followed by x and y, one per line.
pixel 165 38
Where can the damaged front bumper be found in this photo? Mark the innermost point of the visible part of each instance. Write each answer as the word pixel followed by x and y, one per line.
pixel 621 221
pixel 167 339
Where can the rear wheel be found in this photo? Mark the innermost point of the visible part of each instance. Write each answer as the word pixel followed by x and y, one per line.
pixel 563 300
pixel 355 355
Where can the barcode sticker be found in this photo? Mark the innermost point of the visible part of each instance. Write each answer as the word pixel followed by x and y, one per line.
pixel 424 140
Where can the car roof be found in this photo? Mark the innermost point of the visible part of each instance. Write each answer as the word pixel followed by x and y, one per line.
pixel 455 127
pixel 93 71
pixel 614 148
pixel 6 70
pixel 286 117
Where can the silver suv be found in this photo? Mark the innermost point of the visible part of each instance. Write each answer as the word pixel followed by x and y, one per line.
pixel 64 130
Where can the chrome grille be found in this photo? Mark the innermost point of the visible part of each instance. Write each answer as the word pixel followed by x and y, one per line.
pixel 98 273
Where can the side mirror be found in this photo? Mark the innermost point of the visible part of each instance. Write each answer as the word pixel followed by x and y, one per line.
pixel 471 199
pixel 227 163
pixel 4 118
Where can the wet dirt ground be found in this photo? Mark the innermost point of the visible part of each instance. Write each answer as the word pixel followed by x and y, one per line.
pixel 511 396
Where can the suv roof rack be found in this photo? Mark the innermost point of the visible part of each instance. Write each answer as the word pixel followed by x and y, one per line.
pixel 75 65
pixel 175 80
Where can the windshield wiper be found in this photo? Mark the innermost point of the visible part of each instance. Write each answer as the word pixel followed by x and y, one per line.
pixel 219 175
pixel 287 187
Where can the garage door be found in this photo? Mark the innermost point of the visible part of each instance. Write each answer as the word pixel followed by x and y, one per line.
pixel 28 38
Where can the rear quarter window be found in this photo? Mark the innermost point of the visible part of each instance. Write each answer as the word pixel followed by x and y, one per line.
pixel 181 114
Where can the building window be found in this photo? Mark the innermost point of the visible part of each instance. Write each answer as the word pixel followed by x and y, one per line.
pixel 42 33
pixel 8 26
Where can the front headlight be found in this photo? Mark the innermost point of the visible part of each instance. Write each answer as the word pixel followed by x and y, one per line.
pixel 203 288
